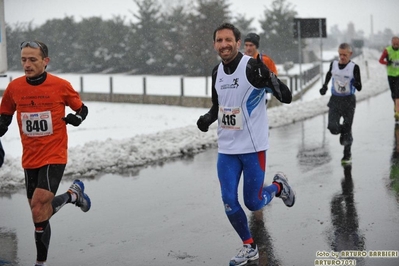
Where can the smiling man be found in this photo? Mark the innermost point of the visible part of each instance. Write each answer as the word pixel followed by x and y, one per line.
pixel 239 85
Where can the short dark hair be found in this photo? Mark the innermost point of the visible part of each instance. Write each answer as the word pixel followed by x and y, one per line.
pixel 45 48
pixel 36 44
pixel 236 32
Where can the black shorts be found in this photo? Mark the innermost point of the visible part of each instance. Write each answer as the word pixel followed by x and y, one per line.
pixel 394 86
pixel 47 177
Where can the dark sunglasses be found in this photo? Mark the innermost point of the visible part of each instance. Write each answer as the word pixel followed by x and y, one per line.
pixel 34 44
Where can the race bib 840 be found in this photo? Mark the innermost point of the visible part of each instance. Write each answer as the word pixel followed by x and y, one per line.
pixel 37 124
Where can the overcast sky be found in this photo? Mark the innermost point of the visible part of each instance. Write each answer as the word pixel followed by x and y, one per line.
pixel 338 12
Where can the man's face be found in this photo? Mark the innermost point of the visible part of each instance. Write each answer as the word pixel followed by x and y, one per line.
pixel 395 43
pixel 250 49
pixel 32 61
pixel 344 56
pixel 225 45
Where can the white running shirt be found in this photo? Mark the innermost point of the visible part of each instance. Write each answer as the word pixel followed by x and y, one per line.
pixel 342 79
pixel 243 125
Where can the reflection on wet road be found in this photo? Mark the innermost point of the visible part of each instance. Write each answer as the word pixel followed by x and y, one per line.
pixel 172 214
pixel 8 247
pixel 394 174
pixel 345 234
pixel 310 154
pixel 261 235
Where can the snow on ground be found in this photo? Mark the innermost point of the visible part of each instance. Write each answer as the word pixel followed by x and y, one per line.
pixel 117 136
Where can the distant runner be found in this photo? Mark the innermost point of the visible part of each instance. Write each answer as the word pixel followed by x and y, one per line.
pixel 346 80
pixel 390 58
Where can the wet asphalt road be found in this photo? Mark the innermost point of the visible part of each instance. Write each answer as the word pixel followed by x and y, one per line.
pixel 172 214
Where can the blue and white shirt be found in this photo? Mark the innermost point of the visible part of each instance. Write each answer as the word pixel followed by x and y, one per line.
pixel 342 79
pixel 242 119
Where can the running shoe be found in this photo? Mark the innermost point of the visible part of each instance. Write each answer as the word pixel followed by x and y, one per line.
pixel 287 194
pixel 346 160
pixel 82 200
pixel 245 254
pixel 44 264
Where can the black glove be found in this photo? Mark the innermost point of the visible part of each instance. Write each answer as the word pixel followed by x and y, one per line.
pixel 72 119
pixel 323 90
pixel 261 68
pixel 204 121
pixel 3 129
pixel 389 62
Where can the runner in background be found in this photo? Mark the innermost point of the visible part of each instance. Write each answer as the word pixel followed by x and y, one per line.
pixel 390 58
pixel 251 45
pixel 345 75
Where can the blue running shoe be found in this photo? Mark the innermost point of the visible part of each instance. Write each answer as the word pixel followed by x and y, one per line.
pixel 245 254
pixel 82 200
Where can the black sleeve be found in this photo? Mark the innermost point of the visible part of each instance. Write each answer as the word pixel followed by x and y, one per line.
pixel 279 89
pixel 328 75
pixel 5 119
pixel 2 154
pixel 356 75
pixel 215 101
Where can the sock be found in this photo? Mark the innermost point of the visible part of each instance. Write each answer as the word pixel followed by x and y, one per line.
pixel 42 238
pixel 60 200
pixel 279 188
pixel 248 241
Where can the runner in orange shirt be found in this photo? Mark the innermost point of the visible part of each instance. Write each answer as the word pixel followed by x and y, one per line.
pixel 39 99
pixel 251 45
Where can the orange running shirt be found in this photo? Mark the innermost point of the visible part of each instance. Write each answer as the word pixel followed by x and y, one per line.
pixel 40 110
pixel 268 62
